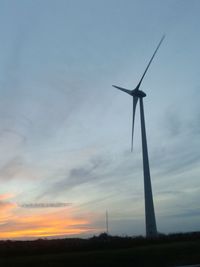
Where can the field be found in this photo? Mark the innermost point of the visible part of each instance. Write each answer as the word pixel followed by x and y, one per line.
pixel 103 251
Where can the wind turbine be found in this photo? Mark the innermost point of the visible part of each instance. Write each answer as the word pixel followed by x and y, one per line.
pixel 151 229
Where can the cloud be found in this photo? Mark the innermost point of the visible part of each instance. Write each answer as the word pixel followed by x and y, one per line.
pixel 11 169
pixel 17 169
pixel 7 210
pixel 44 205
pixel 18 224
pixel 173 122
pixel 4 205
pixel 14 134
pixel 54 224
pixel 78 176
pixel 6 196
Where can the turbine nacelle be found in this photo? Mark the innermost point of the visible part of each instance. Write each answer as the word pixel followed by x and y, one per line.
pixel 138 93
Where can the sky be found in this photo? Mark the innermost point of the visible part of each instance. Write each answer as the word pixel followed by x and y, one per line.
pixel 65 132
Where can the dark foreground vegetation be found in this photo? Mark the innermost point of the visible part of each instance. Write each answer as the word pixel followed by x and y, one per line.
pixel 166 250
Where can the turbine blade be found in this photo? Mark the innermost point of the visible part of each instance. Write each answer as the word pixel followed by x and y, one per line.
pixel 123 89
pixel 135 100
pixel 137 87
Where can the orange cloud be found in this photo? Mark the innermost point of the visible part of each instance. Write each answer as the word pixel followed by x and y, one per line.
pixel 6 196
pixel 40 232
pixel 37 225
pixel 18 223
pixel 6 208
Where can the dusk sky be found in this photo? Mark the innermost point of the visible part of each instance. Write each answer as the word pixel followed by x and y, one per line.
pixel 65 132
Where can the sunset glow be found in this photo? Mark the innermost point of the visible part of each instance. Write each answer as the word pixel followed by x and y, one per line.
pixel 16 223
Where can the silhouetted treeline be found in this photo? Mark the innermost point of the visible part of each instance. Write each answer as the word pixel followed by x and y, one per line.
pixel 101 242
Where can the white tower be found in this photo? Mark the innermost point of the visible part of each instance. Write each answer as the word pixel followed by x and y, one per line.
pixel 151 228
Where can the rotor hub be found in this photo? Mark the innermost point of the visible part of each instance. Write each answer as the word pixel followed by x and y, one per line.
pixel 139 93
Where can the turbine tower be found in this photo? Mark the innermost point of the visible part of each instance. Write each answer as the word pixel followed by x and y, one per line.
pixel 151 229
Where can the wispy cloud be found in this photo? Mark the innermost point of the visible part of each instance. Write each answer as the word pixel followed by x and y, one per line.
pixel 6 196
pixel 78 177
pixel 44 205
